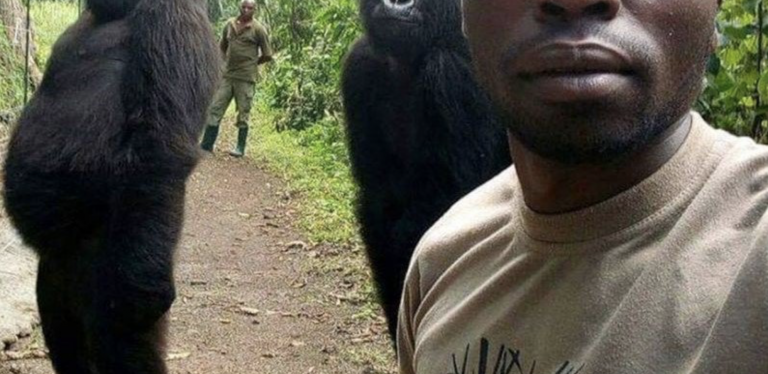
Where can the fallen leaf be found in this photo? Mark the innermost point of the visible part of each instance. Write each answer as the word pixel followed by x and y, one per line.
pixel 297 245
pixel 249 311
pixel 177 356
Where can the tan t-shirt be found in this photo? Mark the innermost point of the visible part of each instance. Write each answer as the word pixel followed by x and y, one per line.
pixel 669 277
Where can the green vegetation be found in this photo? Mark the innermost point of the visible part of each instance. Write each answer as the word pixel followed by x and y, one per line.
pixel 51 18
pixel 736 96
pixel 300 130
pixel 12 79
pixel 314 162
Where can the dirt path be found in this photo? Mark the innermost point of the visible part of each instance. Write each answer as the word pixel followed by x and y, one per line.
pixel 249 298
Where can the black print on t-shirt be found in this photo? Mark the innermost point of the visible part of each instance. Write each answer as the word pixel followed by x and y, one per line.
pixel 505 362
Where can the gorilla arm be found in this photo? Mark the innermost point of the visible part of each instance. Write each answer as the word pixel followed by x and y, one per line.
pixel 170 79
pixel 363 88
pixel 166 87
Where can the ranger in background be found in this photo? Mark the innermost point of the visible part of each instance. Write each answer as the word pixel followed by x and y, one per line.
pixel 245 46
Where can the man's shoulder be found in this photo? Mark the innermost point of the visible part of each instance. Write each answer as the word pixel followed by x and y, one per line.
pixel 735 193
pixel 743 167
pixel 259 27
pixel 477 216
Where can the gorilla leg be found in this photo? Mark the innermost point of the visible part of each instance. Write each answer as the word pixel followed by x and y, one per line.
pixel 132 278
pixel 388 259
pixel 62 329
pixel 118 350
pixel 389 270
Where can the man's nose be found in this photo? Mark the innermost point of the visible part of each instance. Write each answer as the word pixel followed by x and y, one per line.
pixel 570 10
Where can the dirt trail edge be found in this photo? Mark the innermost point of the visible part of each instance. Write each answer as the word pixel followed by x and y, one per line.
pixel 248 302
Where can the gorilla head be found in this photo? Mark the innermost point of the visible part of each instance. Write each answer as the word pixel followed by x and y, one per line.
pixel 406 29
pixel 109 10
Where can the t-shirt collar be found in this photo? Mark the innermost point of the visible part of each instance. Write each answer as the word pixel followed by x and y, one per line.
pixel 682 172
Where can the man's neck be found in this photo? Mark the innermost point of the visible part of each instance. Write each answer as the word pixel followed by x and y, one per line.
pixel 245 19
pixel 551 187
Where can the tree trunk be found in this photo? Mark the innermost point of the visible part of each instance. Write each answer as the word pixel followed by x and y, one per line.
pixel 13 18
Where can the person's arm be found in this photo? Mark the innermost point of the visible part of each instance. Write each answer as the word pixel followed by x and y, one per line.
pixel 266 48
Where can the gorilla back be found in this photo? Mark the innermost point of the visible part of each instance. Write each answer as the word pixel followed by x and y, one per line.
pixel 96 171
pixel 421 133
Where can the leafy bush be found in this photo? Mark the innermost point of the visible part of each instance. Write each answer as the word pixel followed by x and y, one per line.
pixel 304 82
pixel 736 96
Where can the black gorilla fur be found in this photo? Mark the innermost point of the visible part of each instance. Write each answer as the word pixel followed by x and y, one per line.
pixel 421 132
pixel 95 177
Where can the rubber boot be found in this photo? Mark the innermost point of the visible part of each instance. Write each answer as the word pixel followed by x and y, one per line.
pixel 209 137
pixel 242 138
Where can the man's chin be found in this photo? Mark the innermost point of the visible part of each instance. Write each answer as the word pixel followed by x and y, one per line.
pixel 580 137
pixel 602 152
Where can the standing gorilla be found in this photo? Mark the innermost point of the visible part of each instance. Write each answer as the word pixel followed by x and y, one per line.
pixel 96 172
pixel 421 133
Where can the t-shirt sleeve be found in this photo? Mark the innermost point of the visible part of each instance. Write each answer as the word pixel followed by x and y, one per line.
pixel 405 322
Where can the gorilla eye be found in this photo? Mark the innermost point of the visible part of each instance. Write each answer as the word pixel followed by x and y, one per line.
pixel 399 3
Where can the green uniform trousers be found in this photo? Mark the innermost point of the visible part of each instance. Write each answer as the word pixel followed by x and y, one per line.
pixel 242 91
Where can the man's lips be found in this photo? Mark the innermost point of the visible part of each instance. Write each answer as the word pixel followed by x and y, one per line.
pixel 570 72
pixel 572 58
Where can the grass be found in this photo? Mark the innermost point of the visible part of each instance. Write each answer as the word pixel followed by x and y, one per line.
pixel 12 78
pixel 315 166
pixel 51 18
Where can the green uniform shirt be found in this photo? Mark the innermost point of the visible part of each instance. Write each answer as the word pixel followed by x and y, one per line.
pixel 242 51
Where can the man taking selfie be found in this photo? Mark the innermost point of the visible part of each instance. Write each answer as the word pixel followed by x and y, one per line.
pixel 629 237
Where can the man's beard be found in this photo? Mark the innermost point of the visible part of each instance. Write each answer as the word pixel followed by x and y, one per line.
pixel 583 134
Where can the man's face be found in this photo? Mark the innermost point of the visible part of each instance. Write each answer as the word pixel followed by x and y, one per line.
pixel 589 80
pixel 247 9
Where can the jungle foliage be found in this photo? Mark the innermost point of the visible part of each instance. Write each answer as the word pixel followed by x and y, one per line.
pixel 736 94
